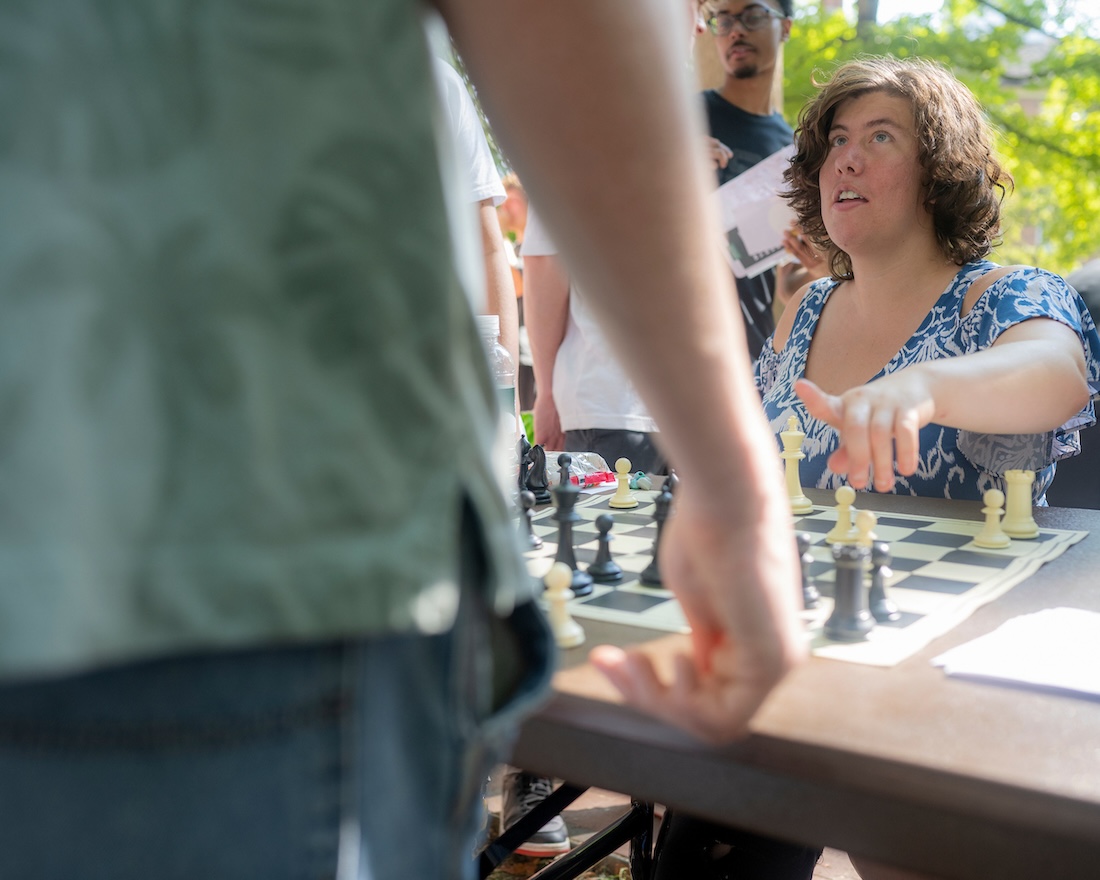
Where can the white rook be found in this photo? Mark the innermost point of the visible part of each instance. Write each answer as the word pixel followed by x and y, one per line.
pixel 1018 521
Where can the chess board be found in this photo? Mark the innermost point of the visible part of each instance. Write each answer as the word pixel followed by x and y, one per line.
pixel 939 577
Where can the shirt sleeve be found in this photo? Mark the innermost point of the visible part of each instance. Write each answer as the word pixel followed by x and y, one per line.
pixel 536 238
pixel 471 145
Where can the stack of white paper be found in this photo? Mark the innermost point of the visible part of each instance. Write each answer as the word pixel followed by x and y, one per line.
pixel 1058 648
pixel 754 217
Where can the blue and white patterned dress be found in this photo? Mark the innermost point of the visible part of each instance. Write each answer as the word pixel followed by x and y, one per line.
pixel 953 463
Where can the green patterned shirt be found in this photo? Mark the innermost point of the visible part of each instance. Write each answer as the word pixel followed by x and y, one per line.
pixel 241 394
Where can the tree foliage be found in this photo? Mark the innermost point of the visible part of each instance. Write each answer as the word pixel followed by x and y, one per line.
pixel 1035 67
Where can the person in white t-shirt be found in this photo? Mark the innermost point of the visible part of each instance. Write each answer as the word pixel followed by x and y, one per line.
pixel 481 181
pixel 584 401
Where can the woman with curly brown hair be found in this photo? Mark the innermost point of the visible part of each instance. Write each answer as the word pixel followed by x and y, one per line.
pixel 919 367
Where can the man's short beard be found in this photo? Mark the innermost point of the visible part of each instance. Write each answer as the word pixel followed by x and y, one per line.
pixel 749 71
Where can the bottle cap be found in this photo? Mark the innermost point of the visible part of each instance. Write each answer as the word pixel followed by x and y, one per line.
pixel 488 325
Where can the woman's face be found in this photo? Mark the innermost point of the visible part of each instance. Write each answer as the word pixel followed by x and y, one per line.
pixel 871 192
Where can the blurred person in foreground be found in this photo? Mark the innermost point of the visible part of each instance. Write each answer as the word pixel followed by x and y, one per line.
pixel 241 590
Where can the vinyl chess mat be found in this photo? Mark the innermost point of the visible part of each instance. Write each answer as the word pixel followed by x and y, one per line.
pixel 939 577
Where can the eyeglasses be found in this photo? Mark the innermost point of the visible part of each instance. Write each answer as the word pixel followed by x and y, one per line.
pixel 751 19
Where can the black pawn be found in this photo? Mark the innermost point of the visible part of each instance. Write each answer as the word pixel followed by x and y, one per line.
pixel 882 606
pixel 565 469
pixel 672 481
pixel 810 595
pixel 651 574
pixel 851 620
pixel 605 570
pixel 565 515
pixel 528 539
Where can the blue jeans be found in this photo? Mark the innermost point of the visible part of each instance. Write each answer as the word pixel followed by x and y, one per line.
pixel 356 759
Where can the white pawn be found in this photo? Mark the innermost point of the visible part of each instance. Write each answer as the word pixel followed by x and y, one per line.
pixel 1018 521
pixel 623 498
pixel 567 632
pixel 865 536
pixel 866 520
pixel 842 531
pixel 792 454
pixel 992 536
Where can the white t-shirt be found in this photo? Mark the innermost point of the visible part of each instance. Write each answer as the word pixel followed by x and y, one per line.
pixel 590 388
pixel 467 166
pixel 473 151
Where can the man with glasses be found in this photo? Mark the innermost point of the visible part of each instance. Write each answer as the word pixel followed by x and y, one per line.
pixel 742 114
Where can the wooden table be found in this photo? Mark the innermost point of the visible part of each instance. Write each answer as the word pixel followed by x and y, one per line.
pixel 901 764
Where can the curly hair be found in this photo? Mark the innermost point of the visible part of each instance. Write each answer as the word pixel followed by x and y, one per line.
pixel 963 182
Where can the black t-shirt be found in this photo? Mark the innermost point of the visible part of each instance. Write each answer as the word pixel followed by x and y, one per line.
pixel 751 138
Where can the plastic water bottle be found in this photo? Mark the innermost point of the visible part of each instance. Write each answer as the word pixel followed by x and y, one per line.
pixel 502 367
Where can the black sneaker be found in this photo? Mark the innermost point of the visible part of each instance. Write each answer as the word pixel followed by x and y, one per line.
pixel 521 793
